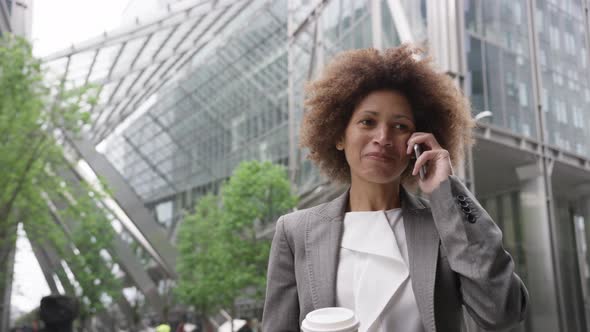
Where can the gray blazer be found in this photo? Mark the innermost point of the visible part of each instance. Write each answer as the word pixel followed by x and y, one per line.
pixel 455 253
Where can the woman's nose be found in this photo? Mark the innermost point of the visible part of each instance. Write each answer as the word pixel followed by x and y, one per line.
pixel 383 136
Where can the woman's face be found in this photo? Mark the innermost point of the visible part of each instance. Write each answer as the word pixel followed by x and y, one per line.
pixel 375 139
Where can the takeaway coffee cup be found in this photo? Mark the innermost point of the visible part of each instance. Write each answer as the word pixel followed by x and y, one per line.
pixel 330 320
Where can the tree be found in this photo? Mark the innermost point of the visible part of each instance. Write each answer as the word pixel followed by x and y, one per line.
pixel 33 118
pixel 220 255
pixel 200 252
pixel 91 236
pixel 256 194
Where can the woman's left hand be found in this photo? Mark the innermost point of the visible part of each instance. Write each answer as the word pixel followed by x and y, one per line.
pixel 436 159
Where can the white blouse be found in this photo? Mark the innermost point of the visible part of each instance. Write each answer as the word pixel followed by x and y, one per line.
pixel 373 277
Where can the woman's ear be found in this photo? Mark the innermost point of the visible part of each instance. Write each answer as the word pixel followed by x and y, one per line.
pixel 339 146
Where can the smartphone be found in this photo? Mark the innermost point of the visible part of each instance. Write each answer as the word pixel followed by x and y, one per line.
pixel 418 152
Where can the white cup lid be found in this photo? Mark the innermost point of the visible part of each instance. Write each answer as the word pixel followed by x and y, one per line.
pixel 330 320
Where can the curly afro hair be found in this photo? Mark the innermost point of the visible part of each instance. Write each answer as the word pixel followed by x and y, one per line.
pixel 438 106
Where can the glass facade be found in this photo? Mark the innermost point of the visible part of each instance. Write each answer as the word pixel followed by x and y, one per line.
pixel 565 73
pixel 499 77
pixel 5 16
pixel 231 106
pixel 416 14
pixel 506 210
pixel 527 63
pixel 346 25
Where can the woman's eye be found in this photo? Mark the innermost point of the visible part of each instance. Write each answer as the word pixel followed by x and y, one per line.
pixel 401 126
pixel 366 122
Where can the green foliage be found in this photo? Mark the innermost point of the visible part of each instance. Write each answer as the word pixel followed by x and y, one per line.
pixel 200 275
pixel 91 237
pixel 220 255
pixel 33 117
pixel 256 193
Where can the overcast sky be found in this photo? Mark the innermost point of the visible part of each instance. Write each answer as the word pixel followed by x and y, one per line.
pixel 57 24
pixel 29 284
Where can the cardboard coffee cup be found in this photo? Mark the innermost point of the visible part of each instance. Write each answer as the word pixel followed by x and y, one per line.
pixel 330 320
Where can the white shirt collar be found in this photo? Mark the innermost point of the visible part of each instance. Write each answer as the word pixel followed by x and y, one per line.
pixel 383 271
pixel 370 232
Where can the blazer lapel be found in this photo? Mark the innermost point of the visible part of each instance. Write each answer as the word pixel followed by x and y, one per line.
pixel 423 244
pixel 323 235
pixel 322 249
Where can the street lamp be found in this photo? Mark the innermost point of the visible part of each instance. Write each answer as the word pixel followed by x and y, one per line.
pixel 467 168
pixel 483 115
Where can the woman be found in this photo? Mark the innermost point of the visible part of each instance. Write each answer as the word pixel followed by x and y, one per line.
pixel 402 263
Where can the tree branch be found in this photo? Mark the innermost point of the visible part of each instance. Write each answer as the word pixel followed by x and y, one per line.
pixel 7 207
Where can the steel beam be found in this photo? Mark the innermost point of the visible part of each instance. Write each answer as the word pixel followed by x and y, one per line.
pixel 51 262
pixel 123 256
pixel 140 51
pixel 125 35
pixel 376 24
pixel 177 56
pixel 150 164
pixel 130 203
pixel 400 19
pixel 136 272
pixel 168 37
pixel 178 62
pixel 46 266
pixel 52 258
pixel 91 67
pixel 214 35
pixel 108 78
pixel 132 98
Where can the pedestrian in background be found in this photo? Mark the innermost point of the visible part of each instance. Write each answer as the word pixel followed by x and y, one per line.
pixel 58 312
pixel 163 327
pixel 247 327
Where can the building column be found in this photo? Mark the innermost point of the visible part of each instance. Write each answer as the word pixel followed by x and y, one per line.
pixel 582 222
pixel 567 233
pixel 539 276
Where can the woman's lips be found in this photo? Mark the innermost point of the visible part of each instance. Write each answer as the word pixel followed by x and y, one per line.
pixel 379 156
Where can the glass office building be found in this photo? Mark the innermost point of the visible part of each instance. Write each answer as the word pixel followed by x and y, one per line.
pixel 188 96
